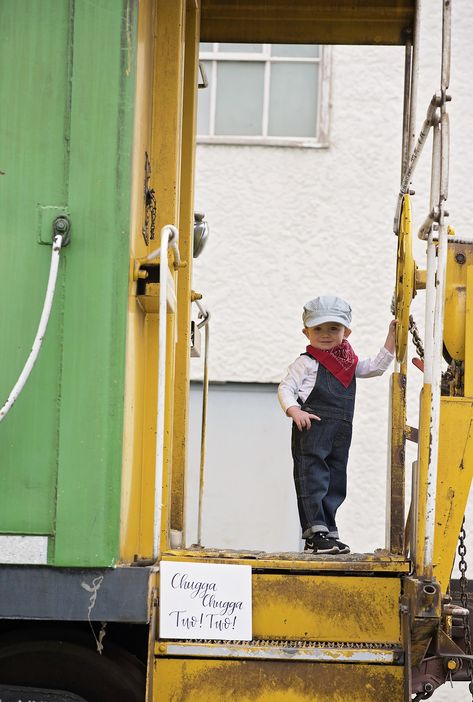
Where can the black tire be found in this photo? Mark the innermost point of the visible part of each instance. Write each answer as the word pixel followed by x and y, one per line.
pixel 114 676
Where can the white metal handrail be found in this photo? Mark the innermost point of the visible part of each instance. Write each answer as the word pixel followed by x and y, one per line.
pixel 42 326
pixel 441 165
pixel 169 240
pixel 436 119
pixel 204 314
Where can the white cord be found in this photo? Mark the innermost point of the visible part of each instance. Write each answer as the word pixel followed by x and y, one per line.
pixel 43 323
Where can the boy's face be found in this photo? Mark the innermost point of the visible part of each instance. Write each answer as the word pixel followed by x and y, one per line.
pixel 327 335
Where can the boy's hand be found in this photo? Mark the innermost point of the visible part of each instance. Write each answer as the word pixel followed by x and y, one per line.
pixel 390 343
pixel 301 418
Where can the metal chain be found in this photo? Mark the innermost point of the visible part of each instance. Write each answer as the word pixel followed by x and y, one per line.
pixel 416 340
pixel 462 565
pixel 149 225
pixel 422 696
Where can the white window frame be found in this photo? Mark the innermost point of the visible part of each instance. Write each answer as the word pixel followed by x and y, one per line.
pixel 321 138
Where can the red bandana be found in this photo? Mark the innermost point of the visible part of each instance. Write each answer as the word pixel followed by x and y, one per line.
pixel 340 361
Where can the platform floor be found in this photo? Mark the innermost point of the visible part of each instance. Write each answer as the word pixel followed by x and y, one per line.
pixel 379 561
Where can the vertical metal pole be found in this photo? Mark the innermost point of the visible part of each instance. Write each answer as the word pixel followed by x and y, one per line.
pixel 166 160
pixel 203 433
pixel 406 107
pixel 431 256
pixel 180 427
pixel 161 391
pixel 439 300
pixel 414 77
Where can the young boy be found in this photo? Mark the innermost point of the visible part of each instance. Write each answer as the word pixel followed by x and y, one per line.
pixel 318 393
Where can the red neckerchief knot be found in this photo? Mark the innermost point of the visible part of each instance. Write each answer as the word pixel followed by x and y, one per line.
pixel 340 361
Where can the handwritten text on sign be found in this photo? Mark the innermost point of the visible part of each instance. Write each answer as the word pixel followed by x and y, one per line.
pixel 205 601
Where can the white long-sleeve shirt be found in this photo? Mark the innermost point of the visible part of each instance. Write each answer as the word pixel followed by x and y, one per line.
pixel 302 374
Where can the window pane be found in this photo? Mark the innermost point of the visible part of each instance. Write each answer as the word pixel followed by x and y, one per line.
pixel 297 50
pixel 206 46
pixel 239 106
pixel 203 102
pixel 242 48
pixel 293 100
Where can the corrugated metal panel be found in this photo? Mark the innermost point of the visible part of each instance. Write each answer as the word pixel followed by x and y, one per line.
pixel 66 144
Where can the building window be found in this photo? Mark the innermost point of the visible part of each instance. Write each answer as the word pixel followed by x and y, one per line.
pixel 274 94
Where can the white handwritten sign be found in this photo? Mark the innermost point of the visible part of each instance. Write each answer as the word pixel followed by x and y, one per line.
pixel 205 601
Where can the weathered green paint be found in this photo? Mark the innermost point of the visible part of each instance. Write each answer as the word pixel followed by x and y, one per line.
pixel 65 142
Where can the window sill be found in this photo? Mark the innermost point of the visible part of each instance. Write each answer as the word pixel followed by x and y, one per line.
pixel 298 142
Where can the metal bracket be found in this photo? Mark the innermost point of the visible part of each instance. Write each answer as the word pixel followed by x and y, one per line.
pixel 62 227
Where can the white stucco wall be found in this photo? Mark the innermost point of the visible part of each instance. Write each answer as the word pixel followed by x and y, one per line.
pixel 290 224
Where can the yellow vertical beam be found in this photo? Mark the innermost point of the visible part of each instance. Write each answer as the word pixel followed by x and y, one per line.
pixel 455 445
pixel 139 430
pixel 454 468
pixel 468 377
pixel 455 473
pixel 166 165
pixel 186 226
pixel 395 481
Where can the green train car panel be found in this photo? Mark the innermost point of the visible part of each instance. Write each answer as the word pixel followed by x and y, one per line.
pixel 65 143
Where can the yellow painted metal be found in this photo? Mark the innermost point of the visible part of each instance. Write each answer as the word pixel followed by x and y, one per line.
pixel 166 165
pixel 140 383
pixel 420 479
pixel 421 279
pixel 405 279
pixel 459 262
pixel 326 608
pixel 158 132
pixel 308 21
pixel 186 227
pixel 468 375
pixel 153 615
pixel 379 562
pixel 396 465
pixel 275 681
pixel 455 473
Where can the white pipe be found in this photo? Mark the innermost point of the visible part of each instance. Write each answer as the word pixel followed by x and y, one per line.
pixel 205 314
pixel 169 238
pixel 431 258
pixel 429 310
pixel 443 163
pixel 172 243
pixel 435 402
pixel 43 323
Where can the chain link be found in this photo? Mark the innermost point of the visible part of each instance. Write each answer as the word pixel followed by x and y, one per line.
pixel 149 225
pixel 462 565
pixel 416 340
pixel 422 696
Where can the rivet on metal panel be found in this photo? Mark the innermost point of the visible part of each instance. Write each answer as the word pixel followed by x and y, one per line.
pixel 62 227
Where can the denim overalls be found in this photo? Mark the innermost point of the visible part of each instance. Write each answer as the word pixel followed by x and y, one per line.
pixel 321 453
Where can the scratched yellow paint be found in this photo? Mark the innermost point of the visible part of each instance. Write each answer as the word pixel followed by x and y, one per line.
pixel 274 681
pixel 455 473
